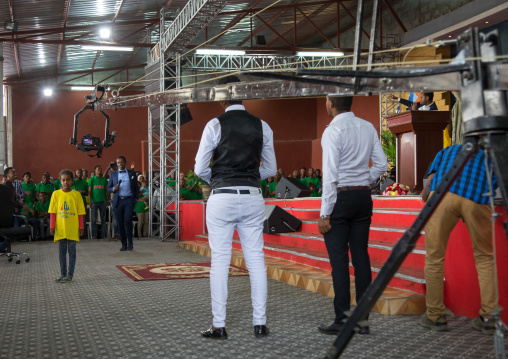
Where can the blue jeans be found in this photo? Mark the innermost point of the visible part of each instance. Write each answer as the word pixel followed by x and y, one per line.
pixel 65 246
pixel 123 213
pixel 101 207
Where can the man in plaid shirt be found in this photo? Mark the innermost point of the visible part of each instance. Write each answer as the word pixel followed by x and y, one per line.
pixel 464 201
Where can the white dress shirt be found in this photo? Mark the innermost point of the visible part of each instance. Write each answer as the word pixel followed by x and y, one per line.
pixel 348 143
pixel 211 138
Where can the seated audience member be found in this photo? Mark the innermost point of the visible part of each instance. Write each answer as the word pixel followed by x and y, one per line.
pixel 303 174
pixel 81 185
pixel 142 212
pixel 464 201
pixel 273 185
pixel 29 213
pixel 28 188
pixel 85 174
pixel 313 183
pixel 2 179
pixel 171 180
pixel 263 185
pixel 426 102
pixel 98 195
pixel 41 213
pixel 281 171
pixel 185 192
pixel 317 173
pixel 45 186
pixel 295 174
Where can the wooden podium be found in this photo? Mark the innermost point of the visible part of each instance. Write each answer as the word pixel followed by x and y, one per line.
pixel 419 138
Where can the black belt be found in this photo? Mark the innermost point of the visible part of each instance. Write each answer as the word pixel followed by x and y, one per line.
pixel 234 191
pixel 352 188
pixel 125 197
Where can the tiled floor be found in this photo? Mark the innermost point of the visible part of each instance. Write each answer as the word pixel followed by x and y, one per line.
pixel 104 314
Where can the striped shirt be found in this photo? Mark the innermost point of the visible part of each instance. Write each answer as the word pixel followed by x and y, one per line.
pixel 472 182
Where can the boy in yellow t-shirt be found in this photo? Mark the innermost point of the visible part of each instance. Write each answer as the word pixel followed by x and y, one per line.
pixel 67 212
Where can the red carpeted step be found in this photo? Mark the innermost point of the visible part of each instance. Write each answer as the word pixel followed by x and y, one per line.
pixel 410 278
pixel 391 233
pixel 404 202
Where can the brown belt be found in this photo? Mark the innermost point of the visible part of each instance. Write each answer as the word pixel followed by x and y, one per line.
pixel 352 188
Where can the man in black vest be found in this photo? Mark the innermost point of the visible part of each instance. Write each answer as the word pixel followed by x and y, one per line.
pixel 236 142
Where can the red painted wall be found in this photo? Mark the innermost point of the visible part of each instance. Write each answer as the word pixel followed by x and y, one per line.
pixel 365 107
pixel 42 127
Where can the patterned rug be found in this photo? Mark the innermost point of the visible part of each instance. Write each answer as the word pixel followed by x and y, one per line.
pixel 174 271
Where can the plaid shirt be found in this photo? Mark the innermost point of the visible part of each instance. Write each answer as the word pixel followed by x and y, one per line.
pixel 20 192
pixel 471 183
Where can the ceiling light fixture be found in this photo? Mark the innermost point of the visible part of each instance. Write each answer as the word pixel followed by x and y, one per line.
pixel 319 54
pixel 107 48
pixel 11 25
pixel 486 22
pixel 219 52
pixel 105 32
pixel 48 92
pixel 82 88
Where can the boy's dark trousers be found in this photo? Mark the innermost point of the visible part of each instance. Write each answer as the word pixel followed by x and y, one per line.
pixel 350 221
pixel 123 212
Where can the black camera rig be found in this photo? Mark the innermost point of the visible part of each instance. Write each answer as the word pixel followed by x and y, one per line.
pixel 89 142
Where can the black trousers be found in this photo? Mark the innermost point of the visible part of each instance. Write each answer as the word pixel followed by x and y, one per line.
pixel 350 221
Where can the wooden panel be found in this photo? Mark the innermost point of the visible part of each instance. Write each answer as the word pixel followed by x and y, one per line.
pixel 406 161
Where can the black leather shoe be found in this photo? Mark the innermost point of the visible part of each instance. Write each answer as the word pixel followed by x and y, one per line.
pixel 261 331
pixel 123 249
pixel 219 333
pixel 364 330
pixel 130 249
pixel 332 329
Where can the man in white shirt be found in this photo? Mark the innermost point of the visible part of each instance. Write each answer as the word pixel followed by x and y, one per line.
pixel 346 208
pixel 236 142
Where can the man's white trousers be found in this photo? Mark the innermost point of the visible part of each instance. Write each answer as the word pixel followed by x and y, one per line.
pixel 246 213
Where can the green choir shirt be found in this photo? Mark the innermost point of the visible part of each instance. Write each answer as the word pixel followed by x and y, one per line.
pixel 263 184
pixel 98 184
pixel 29 190
pixel 315 183
pixel 81 185
pixel 46 188
pixel 42 208
pixel 57 185
pixel 271 188
pixel 141 207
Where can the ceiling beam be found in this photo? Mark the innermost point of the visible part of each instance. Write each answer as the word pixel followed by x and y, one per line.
pixel 281 7
pixel 317 28
pixel 314 13
pixel 236 20
pixel 274 31
pixel 13 81
pixel 16 50
pixel 394 14
pixel 62 37
pixel 261 28
pixel 354 19
pixel 73 42
pixel 70 29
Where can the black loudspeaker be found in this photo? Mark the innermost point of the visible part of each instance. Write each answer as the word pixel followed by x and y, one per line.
pixel 279 221
pixel 289 187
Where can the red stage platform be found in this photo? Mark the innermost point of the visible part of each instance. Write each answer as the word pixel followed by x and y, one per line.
pixel 392 216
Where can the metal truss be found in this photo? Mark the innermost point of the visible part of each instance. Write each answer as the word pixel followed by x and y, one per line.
pixel 243 62
pixel 193 18
pixel 163 148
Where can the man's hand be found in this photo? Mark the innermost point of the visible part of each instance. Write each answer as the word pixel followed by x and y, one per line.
pixel 116 188
pixel 51 231
pixel 26 208
pixel 81 232
pixel 391 97
pixel 324 226
pixel 132 165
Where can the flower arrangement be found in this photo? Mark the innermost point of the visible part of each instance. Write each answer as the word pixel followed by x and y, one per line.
pixel 397 189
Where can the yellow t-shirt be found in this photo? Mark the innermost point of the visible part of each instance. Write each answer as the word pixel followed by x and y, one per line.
pixel 67 206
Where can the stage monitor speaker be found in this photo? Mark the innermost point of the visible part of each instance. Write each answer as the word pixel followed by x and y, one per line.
pixel 279 221
pixel 289 187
